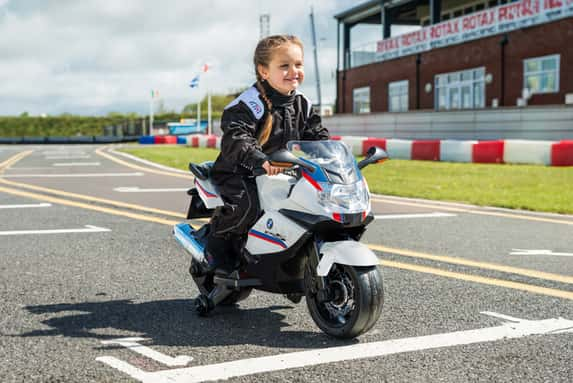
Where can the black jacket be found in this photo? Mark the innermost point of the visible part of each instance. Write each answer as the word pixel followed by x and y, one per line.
pixel 243 120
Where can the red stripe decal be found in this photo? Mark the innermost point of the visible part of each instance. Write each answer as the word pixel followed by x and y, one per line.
pixel 311 180
pixel 207 194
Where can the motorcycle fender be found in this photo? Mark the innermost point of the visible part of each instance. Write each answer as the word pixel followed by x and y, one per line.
pixel 349 253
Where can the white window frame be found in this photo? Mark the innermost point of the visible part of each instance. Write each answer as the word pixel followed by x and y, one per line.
pixel 542 72
pixel 449 86
pixel 398 87
pixel 359 96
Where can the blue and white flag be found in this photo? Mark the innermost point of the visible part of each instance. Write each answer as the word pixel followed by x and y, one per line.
pixel 194 82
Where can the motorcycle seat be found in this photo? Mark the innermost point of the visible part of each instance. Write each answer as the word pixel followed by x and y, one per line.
pixel 201 171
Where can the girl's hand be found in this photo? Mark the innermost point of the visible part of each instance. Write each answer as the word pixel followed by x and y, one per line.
pixel 271 170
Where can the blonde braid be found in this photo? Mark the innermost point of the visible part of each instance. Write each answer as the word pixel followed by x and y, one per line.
pixel 268 126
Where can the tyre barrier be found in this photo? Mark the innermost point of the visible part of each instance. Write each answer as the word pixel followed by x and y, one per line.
pixel 554 153
pixel 55 140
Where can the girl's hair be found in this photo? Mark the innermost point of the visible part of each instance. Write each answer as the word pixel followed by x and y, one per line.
pixel 263 56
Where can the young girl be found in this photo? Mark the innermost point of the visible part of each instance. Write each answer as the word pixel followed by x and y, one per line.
pixel 258 122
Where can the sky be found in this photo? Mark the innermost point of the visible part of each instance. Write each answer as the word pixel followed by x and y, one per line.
pixel 93 57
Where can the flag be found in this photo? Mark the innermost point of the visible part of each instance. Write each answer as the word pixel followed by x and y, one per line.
pixel 205 67
pixel 154 94
pixel 194 82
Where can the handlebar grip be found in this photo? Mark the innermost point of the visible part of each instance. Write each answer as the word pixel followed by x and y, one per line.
pixel 259 171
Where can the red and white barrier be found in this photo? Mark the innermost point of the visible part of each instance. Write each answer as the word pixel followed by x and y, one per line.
pixel 456 151
pixel 555 153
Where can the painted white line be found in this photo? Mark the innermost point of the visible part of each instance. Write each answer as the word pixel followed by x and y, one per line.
pixel 426 215
pixel 146 162
pixel 70 157
pixel 133 345
pixel 44 204
pixel 87 229
pixel 538 252
pixel 136 189
pixel 77 164
pixel 71 175
pixel 517 328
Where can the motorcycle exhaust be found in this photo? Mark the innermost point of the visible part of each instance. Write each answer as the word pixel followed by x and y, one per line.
pixel 183 232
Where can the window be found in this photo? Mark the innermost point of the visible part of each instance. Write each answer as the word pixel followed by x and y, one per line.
pixel 541 74
pixel 361 99
pixel 460 90
pixel 398 96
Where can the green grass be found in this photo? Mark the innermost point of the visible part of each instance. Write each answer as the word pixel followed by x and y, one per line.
pixel 529 187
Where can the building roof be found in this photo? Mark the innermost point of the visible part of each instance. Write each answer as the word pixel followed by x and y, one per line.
pixel 364 8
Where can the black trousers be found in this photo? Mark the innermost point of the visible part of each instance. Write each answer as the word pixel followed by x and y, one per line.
pixel 230 223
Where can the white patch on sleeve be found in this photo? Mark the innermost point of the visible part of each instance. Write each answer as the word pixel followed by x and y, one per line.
pixel 250 97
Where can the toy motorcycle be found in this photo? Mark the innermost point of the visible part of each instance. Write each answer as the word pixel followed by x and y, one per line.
pixel 306 243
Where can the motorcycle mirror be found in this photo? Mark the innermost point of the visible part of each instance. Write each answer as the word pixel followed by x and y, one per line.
pixel 283 156
pixel 373 155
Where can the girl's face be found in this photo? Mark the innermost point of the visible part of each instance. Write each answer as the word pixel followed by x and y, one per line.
pixel 285 71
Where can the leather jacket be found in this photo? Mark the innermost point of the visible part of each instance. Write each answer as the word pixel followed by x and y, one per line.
pixel 244 118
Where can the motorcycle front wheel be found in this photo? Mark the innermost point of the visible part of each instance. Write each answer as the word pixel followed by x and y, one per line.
pixel 351 302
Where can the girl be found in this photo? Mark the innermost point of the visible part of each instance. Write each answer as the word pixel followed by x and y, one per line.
pixel 258 122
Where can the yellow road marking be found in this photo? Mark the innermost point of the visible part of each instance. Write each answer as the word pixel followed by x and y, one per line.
pixel 481 265
pixel 399 265
pixel 482 280
pixel 12 160
pixel 93 199
pixel 141 168
pixel 470 211
pixel 101 209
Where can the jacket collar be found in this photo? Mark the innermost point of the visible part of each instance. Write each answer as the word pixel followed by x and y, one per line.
pixel 278 99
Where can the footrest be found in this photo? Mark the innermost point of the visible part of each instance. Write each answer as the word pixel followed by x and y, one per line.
pixel 235 282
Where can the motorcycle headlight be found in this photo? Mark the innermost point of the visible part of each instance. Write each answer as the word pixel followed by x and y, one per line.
pixel 353 197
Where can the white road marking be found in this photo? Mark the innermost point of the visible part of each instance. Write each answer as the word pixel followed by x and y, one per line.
pixel 136 189
pixel 538 252
pixel 424 215
pixel 132 344
pixel 77 164
pixel 71 175
pixel 516 328
pixel 87 229
pixel 70 157
pixel 63 152
pixel 44 204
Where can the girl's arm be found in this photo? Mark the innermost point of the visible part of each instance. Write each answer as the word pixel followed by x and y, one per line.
pixel 239 143
pixel 313 129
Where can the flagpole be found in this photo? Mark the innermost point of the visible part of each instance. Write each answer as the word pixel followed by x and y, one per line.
pixel 151 114
pixel 209 113
pixel 199 115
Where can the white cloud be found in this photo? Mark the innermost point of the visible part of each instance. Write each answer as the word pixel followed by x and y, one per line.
pixel 97 56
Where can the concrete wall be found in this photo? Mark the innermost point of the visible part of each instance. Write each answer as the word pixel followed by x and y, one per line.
pixel 530 123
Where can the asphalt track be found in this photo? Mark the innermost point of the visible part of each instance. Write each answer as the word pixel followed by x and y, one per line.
pixel 87 257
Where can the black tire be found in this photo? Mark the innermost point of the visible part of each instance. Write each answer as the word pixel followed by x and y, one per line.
pixel 354 308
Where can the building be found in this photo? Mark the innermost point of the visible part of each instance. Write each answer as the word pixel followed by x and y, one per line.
pixel 465 55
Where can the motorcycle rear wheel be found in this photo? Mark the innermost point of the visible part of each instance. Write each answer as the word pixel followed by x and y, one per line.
pixel 354 303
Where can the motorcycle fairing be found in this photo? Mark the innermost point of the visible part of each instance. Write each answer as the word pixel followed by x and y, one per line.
pixel 208 193
pixel 273 233
pixel 350 253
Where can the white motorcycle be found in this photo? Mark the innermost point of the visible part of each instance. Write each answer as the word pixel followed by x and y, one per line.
pixel 306 243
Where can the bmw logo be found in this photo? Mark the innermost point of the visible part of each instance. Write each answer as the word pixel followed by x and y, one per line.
pixel 270 223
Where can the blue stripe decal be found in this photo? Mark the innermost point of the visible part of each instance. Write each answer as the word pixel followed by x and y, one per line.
pixel 268 238
pixel 318 174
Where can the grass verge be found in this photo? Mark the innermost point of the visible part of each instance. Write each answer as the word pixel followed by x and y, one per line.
pixel 528 187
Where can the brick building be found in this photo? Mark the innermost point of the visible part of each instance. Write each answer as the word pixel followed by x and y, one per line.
pixel 466 54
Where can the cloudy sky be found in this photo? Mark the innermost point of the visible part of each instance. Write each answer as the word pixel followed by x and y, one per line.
pixel 99 56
